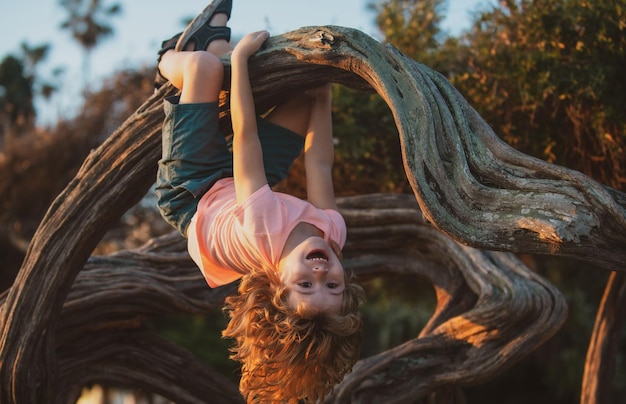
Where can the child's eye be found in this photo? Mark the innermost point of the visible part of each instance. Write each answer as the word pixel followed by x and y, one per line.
pixel 331 285
pixel 305 284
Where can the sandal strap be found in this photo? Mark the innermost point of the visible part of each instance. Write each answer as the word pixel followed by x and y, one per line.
pixel 225 7
pixel 202 21
pixel 168 44
pixel 205 35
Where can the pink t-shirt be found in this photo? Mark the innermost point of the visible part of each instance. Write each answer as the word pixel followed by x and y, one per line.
pixel 226 239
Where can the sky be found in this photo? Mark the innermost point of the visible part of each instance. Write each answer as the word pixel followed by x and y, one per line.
pixel 143 24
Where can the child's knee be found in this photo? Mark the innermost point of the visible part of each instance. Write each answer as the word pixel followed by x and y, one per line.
pixel 204 65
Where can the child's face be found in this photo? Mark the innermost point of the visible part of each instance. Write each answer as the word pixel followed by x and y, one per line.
pixel 314 275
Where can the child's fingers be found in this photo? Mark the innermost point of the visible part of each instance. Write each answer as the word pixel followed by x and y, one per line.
pixel 251 42
pixel 259 37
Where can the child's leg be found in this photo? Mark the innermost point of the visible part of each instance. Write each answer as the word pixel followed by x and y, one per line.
pixel 282 134
pixel 296 113
pixel 198 75
pixel 293 114
pixel 207 32
pixel 195 153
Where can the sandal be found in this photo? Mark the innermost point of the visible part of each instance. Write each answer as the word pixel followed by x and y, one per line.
pixel 168 44
pixel 201 32
pixel 198 31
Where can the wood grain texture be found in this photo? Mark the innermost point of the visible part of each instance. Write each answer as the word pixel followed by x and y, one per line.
pixel 68 316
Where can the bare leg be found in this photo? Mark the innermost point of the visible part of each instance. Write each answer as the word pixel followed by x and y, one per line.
pixel 199 74
pixel 295 114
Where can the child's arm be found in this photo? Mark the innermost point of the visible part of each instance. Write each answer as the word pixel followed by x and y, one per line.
pixel 319 151
pixel 248 169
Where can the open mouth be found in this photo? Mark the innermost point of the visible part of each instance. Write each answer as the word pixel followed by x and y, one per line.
pixel 317 256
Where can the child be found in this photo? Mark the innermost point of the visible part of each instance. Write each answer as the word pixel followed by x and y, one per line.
pixel 295 319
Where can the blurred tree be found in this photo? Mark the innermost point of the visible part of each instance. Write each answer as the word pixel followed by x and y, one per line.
pixel 413 26
pixel 368 157
pixel 88 23
pixel 20 83
pixel 548 76
pixel 42 162
pixel 33 56
pixel 16 100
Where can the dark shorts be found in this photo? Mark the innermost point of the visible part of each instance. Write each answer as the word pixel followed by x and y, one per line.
pixel 196 154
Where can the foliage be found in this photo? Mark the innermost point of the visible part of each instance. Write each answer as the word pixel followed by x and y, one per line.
pixel 33 56
pixel 87 20
pixel 201 335
pixel 548 76
pixel 16 99
pixel 368 156
pixel 397 308
pixel 413 26
pixel 42 162
pixel 20 84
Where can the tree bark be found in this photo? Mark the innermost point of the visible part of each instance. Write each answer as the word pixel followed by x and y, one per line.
pixel 491 311
pixel 469 184
pixel 604 346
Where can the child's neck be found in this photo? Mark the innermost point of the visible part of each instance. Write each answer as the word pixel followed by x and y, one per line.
pixel 301 232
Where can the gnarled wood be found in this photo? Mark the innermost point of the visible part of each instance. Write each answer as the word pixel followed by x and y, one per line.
pixel 472 186
pixel 468 182
pixel 604 346
pixel 491 311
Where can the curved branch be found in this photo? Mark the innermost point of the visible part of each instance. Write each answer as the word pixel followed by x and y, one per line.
pixel 156 279
pixel 491 311
pixel 101 338
pixel 470 184
pixel 139 358
pixel 112 179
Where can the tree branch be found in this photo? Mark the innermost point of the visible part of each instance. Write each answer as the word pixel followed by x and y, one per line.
pixel 470 184
pixel 604 346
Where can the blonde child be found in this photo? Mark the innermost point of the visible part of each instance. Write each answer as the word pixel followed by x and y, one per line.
pixel 295 318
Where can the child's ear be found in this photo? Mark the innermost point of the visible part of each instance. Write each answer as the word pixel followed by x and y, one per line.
pixel 335 247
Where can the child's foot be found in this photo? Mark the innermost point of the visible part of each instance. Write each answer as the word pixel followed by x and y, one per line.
pixel 208 26
pixel 207 31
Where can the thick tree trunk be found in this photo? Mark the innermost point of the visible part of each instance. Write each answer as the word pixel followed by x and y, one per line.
pixel 491 311
pixel 469 184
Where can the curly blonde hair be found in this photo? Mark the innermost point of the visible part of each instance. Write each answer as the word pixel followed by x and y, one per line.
pixel 290 354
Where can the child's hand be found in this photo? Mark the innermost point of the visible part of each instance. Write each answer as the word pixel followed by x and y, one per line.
pixel 249 44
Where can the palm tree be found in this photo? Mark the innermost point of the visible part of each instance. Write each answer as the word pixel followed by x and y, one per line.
pixel 88 23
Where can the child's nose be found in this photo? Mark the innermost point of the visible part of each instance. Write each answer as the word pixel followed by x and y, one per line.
pixel 320 268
